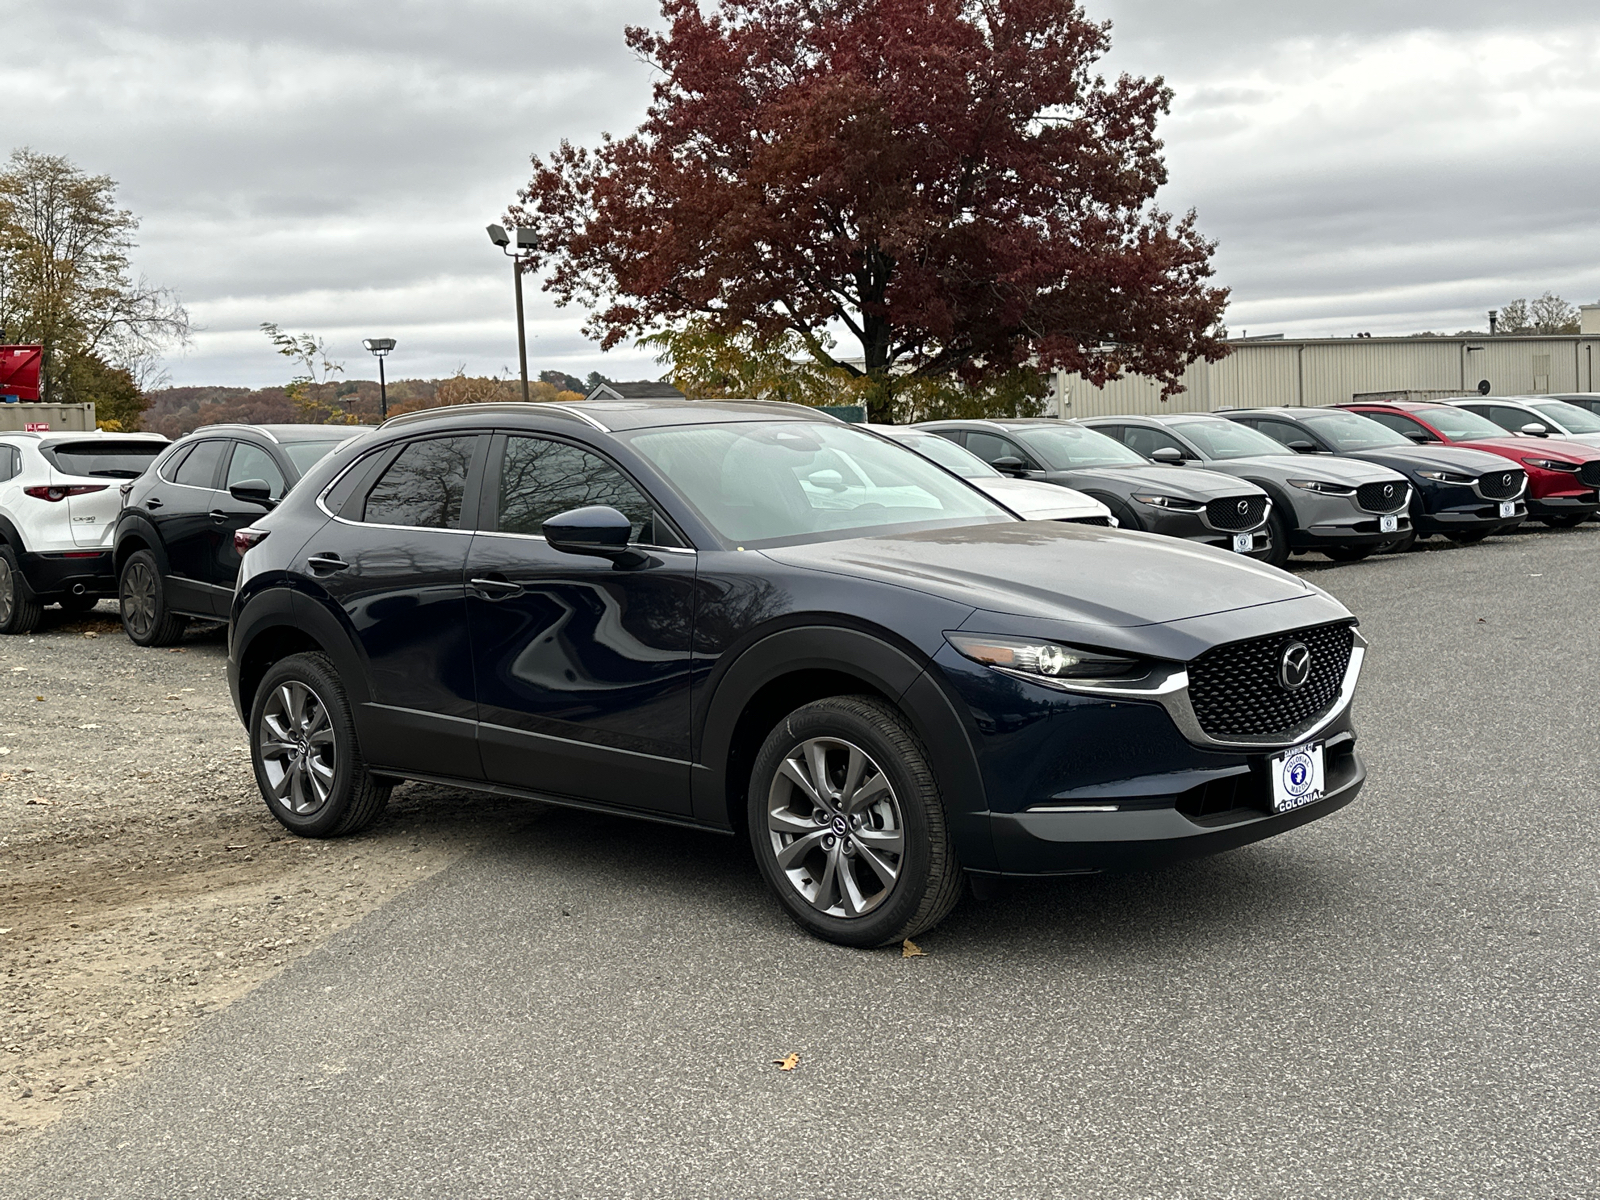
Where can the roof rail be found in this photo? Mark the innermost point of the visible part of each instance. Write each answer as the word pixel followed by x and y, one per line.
pixel 235 425
pixel 495 406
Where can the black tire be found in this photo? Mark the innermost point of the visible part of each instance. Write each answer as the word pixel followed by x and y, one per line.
pixel 142 602
pixel 76 604
pixel 20 609
pixel 1465 538
pixel 1567 521
pixel 1349 554
pixel 350 797
pixel 927 878
pixel 1402 546
pixel 1278 529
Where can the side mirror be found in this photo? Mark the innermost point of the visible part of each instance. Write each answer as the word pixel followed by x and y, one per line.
pixel 253 491
pixel 1169 456
pixel 1534 429
pixel 597 530
pixel 1302 447
pixel 1010 465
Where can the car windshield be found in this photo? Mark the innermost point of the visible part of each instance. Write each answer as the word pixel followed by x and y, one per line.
pixel 1068 447
pixel 1569 416
pixel 948 455
pixel 781 482
pixel 305 455
pixel 109 460
pixel 1229 439
pixel 1347 432
pixel 1459 423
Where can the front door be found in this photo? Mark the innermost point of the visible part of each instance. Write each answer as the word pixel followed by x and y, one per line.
pixel 392 563
pixel 181 513
pixel 248 462
pixel 582 667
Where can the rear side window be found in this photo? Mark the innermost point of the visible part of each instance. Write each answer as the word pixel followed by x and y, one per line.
pixel 105 460
pixel 424 486
pixel 200 468
pixel 10 463
pixel 541 478
pixel 252 462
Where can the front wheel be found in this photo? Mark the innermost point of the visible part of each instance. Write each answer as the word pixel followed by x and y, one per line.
pixel 848 826
pixel 1469 538
pixel 20 610
pixel 142 600
pixel 1349 554
pixel 1278 530
pixel 303 746
pixel 1566 520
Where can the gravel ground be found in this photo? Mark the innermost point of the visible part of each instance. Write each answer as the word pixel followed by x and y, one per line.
pixel 142 882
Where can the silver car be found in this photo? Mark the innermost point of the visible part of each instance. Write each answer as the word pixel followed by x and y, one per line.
pixel 1536 416
pixel 1340 507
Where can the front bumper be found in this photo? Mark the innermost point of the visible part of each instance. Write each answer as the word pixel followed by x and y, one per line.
pixel 53 573
pixel 1584 504
pixel 1322 521
pixel 1192 527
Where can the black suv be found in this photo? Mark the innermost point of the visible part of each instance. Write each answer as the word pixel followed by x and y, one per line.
pixel 743 616
pixel 174 550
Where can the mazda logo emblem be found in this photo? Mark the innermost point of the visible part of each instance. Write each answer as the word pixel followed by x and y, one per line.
pixel 1506 481
pixel 1388 491
pixel 1244 507
pixel 1295 667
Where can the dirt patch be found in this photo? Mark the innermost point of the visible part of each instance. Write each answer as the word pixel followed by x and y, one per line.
pixel 142 882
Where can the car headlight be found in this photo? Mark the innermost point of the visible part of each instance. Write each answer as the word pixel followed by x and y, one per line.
pixel 1049 659
pixel 1550 464
pixel 1448 477
pixel 1171 502
pixel 1321 485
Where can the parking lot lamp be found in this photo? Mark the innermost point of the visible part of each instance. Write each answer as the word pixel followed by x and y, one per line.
pixel 518 245
pixel 381 348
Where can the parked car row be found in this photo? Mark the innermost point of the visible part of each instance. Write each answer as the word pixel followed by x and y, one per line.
pixel 896 660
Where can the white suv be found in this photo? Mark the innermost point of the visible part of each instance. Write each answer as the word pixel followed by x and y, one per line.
pixel 59 501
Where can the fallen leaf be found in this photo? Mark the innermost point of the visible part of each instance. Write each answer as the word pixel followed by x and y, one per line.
pixel 909 949
pixel 177 650
pixel 39 800
pixel 38 697
pixel 788 1062
pixel 91 634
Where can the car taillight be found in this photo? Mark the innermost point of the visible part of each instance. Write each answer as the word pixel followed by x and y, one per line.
pixel 61 492
pixel 244 538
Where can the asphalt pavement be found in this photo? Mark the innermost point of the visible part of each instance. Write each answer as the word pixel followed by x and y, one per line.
pixel 1397 1001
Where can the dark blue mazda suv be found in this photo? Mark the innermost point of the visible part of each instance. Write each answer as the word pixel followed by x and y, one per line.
pixel 755 618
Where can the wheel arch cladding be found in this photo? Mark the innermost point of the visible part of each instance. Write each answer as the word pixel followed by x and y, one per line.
pixel 138 535
pixel 277 624
pixel 796 666
pixel 10 535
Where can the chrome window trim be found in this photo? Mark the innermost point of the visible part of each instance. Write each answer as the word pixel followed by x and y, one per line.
pixel 1168 686
pixel 539 537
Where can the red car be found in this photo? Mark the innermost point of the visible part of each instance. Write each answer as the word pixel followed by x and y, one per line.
pixel 1563 476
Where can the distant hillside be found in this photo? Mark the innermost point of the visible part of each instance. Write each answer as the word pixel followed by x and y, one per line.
pixel 179 410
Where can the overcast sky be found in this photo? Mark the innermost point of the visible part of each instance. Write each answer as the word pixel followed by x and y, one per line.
pixel 1369 166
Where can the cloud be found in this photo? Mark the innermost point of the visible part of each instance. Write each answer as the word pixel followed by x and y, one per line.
pixel 1372 166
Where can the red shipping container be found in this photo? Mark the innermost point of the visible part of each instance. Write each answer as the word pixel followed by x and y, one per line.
pixel 19 371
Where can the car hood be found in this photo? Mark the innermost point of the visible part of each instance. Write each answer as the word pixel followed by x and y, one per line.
pixel 1351 472
pixel 1078 573
pixel 1186 483
pixel 1434 458
pixel 1040 501
pixel 1519 448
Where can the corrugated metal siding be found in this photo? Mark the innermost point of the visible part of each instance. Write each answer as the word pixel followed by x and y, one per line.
pixel 1331 371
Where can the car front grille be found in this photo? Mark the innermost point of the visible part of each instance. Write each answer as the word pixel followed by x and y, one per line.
pixel 1500 485
pixel 1236 690
pixel 1235 514
pixel 1105 521
pixel 1589 473
pixel 1382 497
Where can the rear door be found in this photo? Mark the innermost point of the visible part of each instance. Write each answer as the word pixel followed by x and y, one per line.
pixel 392 561
pixel 582 667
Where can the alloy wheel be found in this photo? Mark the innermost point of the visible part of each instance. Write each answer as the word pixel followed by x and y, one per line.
pixel 139 598
pixel 8 599
pixel 299 755
pixel 836 827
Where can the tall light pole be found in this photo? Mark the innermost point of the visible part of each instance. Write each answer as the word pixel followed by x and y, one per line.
pixel 518 245
pixel 381 348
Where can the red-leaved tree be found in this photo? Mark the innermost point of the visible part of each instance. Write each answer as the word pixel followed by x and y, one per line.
pixel 947 179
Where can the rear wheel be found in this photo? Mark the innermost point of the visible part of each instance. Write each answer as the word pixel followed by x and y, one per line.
pixel 1565 521
pixel 1349 553
pixel 848 826
pixel 142 595
pixel 20 610
pixel 303 746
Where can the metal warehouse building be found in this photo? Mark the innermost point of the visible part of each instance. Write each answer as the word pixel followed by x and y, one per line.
pixel 1267 371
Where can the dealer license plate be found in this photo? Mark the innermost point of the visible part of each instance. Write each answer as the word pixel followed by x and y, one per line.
pixel 1297 778
pixel 1243 543
pixel 1388 524
pixel 1508 508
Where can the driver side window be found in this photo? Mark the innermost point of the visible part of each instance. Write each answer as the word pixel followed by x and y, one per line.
pixel 1401 425
pixel 991 447
pixel 1146 441
pixel 541 478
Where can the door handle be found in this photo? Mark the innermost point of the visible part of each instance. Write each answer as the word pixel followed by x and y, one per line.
pixel 496 588
pixel 326 562
pixel 152 503
pixel 218 515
